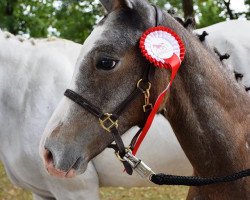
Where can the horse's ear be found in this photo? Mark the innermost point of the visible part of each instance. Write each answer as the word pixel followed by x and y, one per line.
pixel 110 5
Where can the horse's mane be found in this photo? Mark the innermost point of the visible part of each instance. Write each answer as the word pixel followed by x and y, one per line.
pixel 189 24
pixel 33 41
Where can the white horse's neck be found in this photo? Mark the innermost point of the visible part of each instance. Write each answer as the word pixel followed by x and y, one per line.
pixel 32 81
pixel 31 74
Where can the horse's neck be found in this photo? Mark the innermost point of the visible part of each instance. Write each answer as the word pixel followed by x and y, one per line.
pixel 12 89
pixel 32 80
pixel 17 64
pixel 210 114
pixel 26 65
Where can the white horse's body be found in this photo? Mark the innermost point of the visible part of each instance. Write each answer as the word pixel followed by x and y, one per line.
pixel 232 37
pixel 32 81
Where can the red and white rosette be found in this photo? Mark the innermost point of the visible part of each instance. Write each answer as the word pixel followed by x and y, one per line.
pixel 164 48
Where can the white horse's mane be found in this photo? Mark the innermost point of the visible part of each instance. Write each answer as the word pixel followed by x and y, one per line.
pixel 33 41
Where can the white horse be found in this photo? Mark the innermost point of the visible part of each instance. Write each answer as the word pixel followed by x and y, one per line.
pixel 233 38
pixel 33 77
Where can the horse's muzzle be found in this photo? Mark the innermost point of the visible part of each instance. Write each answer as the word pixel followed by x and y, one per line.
pixel 52 170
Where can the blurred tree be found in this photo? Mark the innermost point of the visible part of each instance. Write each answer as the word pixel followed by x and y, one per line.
pixel 188 8
pixel 7 15
pixel 247 3
pixel 74 19
pixel 229 11
pixel 174 6
pixel 31 17
pixel 210 12
pixel 69 19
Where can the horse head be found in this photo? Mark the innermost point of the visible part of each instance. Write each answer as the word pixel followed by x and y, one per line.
pixel 107 71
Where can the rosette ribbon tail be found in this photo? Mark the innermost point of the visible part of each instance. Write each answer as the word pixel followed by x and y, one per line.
pixel 164 48
pixel 173 63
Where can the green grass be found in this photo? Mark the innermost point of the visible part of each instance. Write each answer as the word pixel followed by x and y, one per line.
pixel 9 192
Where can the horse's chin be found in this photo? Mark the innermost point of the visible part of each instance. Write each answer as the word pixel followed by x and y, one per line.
pixel 82 169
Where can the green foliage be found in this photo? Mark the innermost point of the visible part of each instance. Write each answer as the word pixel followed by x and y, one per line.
pixel 210 12
pixel 39 18
pixel 177 4
pixel 174 6
pixel 6 15
pixel 74 19
pixel 31 17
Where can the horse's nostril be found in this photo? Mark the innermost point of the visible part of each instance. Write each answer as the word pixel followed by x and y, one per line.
pixel 48 157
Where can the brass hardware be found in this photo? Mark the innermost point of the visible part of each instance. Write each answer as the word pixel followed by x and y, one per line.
pixel 117 153
pixel 147 107
pixel 107 123
pixel 119 157
pixel 141 88
pixel 146 93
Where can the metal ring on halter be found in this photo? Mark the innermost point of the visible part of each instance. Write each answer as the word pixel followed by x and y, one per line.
pixel 108 123
pixel 117 153
pixel 119 157
pixel 141 88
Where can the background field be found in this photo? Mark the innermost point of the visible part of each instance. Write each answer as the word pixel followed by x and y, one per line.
pixel 9 192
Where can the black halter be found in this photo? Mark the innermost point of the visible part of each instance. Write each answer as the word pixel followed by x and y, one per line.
pixel 108 121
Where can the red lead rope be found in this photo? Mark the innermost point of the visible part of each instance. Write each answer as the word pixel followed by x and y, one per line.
pixel 155 44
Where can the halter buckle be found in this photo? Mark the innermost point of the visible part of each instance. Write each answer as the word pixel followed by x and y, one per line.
pixel 108 123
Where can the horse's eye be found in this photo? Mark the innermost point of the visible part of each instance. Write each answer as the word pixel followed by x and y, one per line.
pixel 106 64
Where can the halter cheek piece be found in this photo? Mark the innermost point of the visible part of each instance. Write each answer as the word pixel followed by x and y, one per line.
pixel 109 122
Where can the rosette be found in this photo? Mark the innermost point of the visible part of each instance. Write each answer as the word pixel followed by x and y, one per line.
pixel 162 47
